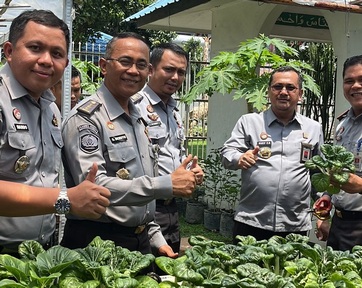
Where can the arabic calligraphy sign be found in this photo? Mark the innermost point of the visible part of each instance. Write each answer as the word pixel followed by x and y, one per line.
pixel 302 20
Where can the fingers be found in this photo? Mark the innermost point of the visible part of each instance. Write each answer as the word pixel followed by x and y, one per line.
pixel 92 173
pixel 194 162
pixel 249 158
pixel 256 150
pixel 186 161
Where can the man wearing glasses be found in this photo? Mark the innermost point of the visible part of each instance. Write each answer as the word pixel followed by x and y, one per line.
pixel 270 148
pixel 106 128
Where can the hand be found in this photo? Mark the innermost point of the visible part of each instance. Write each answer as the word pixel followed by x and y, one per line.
pixel 183 180
pixel 322 230
pixel 87 199
pixel 352 186
pixel 322 207
pixel 248 159
pixel 197 170
pixel 166 250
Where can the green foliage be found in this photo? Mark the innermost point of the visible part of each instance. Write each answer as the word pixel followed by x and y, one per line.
pixel 290 262
pixel 86 68
pixel 336 163
pixel 92 16
pixel 220 183
pixel 239 71
pixel 100 264
pixel 321 57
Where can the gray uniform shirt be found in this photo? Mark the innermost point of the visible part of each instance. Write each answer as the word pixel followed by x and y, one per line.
pixel 349 135
pixel 164 128
pixel 275 192
pixel 106 135
pixel 29 132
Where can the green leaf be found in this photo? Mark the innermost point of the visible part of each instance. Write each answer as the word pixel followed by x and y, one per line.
pixel 320 182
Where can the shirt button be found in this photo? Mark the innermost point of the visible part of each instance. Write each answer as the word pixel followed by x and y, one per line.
pixel 23 143
pixel 43 174
pixel 42 237
pixel 45 142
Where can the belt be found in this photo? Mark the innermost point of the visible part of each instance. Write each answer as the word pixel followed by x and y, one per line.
pixel 348 215
pixel 165 202
pixel 123 229
pixel 102 226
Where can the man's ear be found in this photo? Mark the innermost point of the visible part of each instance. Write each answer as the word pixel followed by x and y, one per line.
pixel 8 49
pixel 150 70
pixel 301 96
pixel 102 65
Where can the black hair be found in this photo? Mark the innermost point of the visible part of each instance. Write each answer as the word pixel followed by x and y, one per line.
pixel 75 72
pixel 287 69
pixel 123 35
pixel 43 17
pixel 351 61
pixel 157 52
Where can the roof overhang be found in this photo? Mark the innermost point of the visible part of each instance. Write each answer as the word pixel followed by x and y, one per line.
pixel 196 16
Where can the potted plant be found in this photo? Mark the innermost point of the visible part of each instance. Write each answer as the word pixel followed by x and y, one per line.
pixel 195 207
pixel 219 185
pixel 230 196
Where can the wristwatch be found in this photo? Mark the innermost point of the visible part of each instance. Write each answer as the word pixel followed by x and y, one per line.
pixel 62 205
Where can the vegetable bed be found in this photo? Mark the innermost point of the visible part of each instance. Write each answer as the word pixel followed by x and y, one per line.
pixel 277 262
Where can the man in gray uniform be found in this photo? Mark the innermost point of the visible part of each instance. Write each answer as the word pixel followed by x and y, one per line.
pixel 346 228
pixel 106 128
pixel 271 148
pixel 30 132
pixel 165 129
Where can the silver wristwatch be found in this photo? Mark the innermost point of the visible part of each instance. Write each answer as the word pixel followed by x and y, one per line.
pixel 62 205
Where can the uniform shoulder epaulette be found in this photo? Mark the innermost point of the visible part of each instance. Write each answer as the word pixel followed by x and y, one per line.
pixel 136 98
pixel 343 115
pixel 89 107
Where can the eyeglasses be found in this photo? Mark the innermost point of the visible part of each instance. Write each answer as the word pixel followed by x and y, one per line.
pixel 280 87
pixel 128 63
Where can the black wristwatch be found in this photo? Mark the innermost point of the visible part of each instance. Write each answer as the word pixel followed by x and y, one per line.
pixel 62 205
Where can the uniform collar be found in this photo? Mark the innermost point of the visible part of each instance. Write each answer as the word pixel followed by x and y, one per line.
pixel 113 108
pixel 155 99
pixel 270 117
pixel 16 90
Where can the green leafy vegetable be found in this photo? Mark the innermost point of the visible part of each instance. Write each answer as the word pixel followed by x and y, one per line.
pixel 336 163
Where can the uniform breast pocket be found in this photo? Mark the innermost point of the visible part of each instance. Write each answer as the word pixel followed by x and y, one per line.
pixel 122 157
pixel 157 132
pixel 17 159
pixel 58 141
pixel 121 153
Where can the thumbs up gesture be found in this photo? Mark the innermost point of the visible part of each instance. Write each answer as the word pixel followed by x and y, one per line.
pixel 88 199
pixel 249 158
pixel 183 178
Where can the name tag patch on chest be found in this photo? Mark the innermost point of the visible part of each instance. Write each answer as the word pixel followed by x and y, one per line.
pixel 118 138
pixel 155 123
pixel 89 143
pixel 21 127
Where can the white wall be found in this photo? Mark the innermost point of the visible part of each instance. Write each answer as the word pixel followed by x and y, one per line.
pixel 231 25
pixel 238 21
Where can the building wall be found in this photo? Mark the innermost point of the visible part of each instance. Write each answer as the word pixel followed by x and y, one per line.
pixel 235 22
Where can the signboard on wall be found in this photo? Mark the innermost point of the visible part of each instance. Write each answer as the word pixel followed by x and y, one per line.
pixel 302 20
